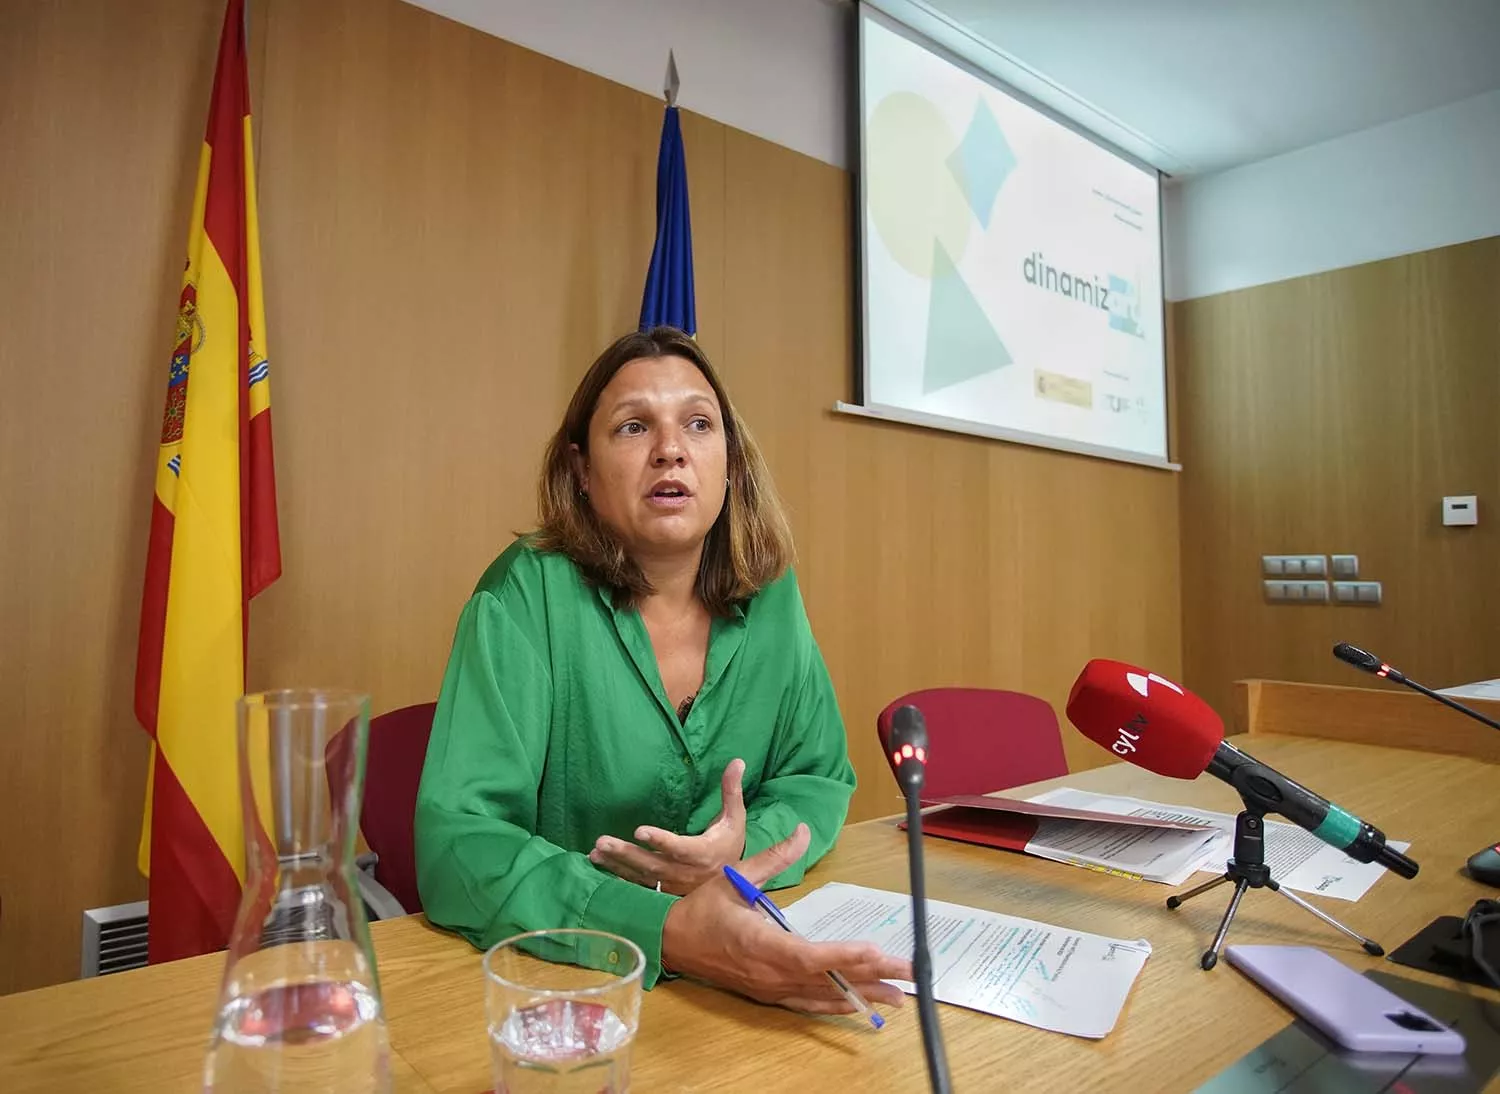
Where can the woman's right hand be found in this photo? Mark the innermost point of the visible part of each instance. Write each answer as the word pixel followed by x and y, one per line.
pixel 712 934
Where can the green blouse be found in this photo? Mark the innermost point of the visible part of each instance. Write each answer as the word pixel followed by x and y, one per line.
pixel 553 728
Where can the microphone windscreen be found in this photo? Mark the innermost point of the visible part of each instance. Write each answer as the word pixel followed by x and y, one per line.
pixel 1145 719
pixel 908 728
pixel 1360 659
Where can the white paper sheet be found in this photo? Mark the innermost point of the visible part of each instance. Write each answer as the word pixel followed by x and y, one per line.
pixel 1169 855
pixel 1484 689
pixel 1045 976
pixel 1298 859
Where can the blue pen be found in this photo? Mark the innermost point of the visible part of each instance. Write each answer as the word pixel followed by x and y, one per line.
pixel 757 899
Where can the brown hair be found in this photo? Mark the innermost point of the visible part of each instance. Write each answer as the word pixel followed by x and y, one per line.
pixel 749 545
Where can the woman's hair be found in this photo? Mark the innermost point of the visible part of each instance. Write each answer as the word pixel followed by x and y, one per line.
pixel 749 545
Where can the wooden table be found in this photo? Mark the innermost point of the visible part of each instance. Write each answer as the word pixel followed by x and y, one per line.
pixel 145 1030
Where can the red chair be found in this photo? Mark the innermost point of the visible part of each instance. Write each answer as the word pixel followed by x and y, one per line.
pixel 980 740
pixel 393 772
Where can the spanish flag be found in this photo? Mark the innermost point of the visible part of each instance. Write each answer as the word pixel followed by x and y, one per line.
pixel 214 541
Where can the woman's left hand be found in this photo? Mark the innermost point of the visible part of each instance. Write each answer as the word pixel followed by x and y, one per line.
pixel 679 864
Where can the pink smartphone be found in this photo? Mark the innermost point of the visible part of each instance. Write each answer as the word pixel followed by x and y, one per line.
pixel 1355 1012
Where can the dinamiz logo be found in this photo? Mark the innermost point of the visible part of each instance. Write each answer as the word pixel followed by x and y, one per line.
pixel 1125 307
pixel 1113 294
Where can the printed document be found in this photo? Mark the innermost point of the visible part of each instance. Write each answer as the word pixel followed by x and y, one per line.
pixel 1169 855
pixel 1297 858
pixel 1068 981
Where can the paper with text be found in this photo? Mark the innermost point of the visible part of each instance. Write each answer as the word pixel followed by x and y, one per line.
pixel 1168 855
pixel 1297 858
pixel 1068 981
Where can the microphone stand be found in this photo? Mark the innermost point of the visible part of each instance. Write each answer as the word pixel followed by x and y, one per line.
pixel 1248 870
pixel 908 744
pixel 921 958
pixel 1451 704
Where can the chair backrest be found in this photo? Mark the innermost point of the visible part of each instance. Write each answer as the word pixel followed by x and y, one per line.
pixel 393 773
pixel 981 740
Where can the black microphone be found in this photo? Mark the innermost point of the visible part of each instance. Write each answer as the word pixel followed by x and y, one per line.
pixel 1272 792
pixel 1484 864
pixel 908 745
pixel 1368 662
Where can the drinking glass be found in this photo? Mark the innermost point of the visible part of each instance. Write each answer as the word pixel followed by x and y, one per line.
pixel 563 1007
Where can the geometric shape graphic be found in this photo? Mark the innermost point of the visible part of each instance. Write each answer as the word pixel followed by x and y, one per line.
pixel 982 162
pixel 913 197
pixel 961 341
pixel 1141 684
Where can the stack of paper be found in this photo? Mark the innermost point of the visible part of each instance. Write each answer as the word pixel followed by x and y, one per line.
pixel 1044 976
pixel 1297 858
pixel 1145 840
pixel 1114 839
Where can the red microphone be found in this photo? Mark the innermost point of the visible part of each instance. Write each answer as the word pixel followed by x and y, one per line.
pixel 1153 723
pixel 1145 718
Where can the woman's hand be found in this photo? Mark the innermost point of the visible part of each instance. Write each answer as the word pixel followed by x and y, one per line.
pixel 681 863
pixel 713 935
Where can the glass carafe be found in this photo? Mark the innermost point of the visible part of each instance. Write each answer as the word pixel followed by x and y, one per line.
pixel 299 1007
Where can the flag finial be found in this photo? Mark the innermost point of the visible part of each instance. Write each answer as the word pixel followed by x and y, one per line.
pixel 669 89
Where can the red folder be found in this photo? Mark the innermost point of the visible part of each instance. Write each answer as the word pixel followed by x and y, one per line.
pixel 1011 824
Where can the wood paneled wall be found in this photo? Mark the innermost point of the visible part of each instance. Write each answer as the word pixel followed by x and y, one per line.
pixel 452 228
pixel 1331 414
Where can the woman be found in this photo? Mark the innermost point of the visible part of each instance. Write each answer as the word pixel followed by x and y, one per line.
pixel 634 699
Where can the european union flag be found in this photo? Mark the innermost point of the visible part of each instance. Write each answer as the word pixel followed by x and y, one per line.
pixel 669 281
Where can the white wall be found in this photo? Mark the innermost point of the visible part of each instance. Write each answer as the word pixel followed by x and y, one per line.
pixel 1430 180
pixel 780 69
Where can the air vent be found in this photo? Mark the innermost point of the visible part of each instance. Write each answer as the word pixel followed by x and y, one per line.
pixel 114 938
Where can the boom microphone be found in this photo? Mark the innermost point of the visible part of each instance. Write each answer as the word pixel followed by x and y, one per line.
pixel 1153 723
pixel 908 745
pixel 1368 662
pixel 1484 864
